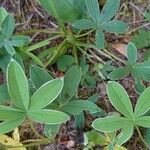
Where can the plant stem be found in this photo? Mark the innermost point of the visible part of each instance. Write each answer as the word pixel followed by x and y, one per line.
pixel 78 36
pixel 142 139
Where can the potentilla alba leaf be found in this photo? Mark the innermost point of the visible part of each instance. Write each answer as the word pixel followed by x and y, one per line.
pixel 76 107
pixel 109 10
pixel 8 26
pixel 125 134
pixel 39 76
pixel 9 48
pixel 48 116
pixel 10 125
pixel 99 39
pixel 132 53
pixel 46 94
pixel 143 121
pixel 84 24
pixel 115 26
pixel 93 10
pixel 17 85
pixel 8 113
pixel 120 99
pixel 3 15
pixel 143 103
pixel 110 123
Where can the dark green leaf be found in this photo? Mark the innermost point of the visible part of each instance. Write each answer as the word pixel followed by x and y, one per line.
pixel 99 38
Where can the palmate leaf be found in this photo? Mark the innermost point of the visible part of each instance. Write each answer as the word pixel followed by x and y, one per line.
pixel 46 94
pixel 143 103
pixel 48 116
pixel 109 10
pixel 39 76
pixel 120 99
pixel 114 26
pixel 17 85
pixel 93 10
pixel 110 123
pixel 7 113
pixel 76 107
pixel 84 24
pixel 10 125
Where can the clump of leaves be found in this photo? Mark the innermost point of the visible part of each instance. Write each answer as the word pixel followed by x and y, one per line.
pixel 100 22
pixel 130 119
pixel 140 71
pixel 26 106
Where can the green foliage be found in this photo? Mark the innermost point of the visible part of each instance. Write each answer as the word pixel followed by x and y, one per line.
pixel 101 21
pixel 26 106
pixel 130 119
pixel 140 71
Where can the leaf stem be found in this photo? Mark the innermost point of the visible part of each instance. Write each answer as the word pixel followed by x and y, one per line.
pixel 142 139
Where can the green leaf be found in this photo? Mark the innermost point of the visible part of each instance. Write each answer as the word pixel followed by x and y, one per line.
pixel 65 62
pixel 144 70
pixel 110 123
pixel 8 113
pixel 17 85
pixel 93 10
pixel 99 38
pixel 119 73
pixel 125 134
pixel 147 136
pixel 96 138
pixel 3 15
pixel 48 116
pixel 132 53
pixel 109 10
pixel 10 49
pixel 94 98
pixel 39 76
pixel 51 130
pixel 120 99
pixel 4 96
pixel 10 125
pixel 71 82
pixel 143 121
pixel 139 87
pixel 46 94
pixel 115 26
pixel 8 26
pixel 143 103
pixel 19 40
pixel 63 10
pixel 84 24
pixel 76 107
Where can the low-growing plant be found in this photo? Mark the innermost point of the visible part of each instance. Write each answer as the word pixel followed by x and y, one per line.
pixel 26 106
pixel 140 71
pixel 129 119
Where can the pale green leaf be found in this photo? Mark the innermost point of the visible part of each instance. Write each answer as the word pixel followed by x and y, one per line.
pixel 93 10
pixel 9 48
pixel 143 121
pixel 3 15
pixel 143 103
pixel 84 24
pixel 46 94
pixel 10 125
pixel 39 76
pixel 17 85
pixel 120 99
pixel 110 123
pixel 99 38
pixel 109 10
pixel 48 116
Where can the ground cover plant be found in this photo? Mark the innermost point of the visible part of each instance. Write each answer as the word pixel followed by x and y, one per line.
pixel 74 74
